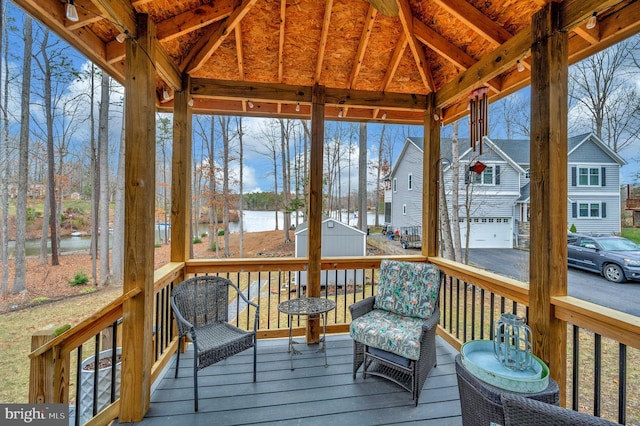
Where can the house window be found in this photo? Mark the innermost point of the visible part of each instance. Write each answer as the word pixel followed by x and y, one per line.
pixel 588 176
pixel 410 183
pixel 395 185
pixel 484 178
pixel 589 210
pixel 404 209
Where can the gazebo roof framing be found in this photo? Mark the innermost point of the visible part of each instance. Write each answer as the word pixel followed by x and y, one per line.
pixel 261 57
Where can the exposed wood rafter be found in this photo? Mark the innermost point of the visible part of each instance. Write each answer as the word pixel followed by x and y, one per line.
pixel 239 50
pixel 195 19
pixel 323 38
pixel 283 18
pixel 214 38
pixel 362 46
pixel 475 20
pixel 120 13
pixel 401 46
pixel 591 36
pixel 418 52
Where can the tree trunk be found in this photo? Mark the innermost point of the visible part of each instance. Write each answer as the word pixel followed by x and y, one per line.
pixel 95 185
pixel 455 190
pixel 445 222
pixel 117 270
pixel 4 169
pixel 224 124
pixel 241 194
pixel 23 161
pixel 103 155
pixel 379 172
pixel 286 188
pixel 362 179
pixel 44 237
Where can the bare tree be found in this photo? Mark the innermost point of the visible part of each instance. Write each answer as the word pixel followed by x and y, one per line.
pixel 103 149
pixel 269 149
pixel 285 136
pixel 240 131
pixel 362 178
pixel 226 177
pixel 379 183
pixel 117 272
pixel 603 90
pixel 5 154
pixel 23 160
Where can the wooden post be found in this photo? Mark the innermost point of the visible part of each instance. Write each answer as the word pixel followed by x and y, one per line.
pixel 41 375
pixel 430 188
pixel 548 257
pixel 181 175
pixel 140 157
pixel 314 248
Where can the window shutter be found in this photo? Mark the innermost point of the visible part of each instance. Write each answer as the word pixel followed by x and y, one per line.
pixel 574 209
pixel 497 175
pixel 573 177
pixel 603 210
pixel 603 177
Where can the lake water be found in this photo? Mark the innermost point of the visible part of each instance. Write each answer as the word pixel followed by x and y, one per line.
pixel 254 221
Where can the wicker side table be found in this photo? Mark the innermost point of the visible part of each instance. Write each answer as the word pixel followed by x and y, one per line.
pixel 480 402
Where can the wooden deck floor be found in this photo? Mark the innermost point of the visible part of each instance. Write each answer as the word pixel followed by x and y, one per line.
pixel 310 395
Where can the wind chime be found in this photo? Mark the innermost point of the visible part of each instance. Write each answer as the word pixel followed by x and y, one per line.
pixel 478 117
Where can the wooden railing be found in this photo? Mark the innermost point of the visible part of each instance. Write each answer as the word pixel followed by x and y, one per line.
pixel 603 349
pixel 470 300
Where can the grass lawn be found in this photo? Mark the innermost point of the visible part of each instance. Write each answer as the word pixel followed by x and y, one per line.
pixel 632 233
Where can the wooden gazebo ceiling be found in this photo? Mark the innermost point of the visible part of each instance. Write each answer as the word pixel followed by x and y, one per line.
pixel 261 57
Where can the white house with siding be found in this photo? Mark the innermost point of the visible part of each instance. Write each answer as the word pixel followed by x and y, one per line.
pixel 499 195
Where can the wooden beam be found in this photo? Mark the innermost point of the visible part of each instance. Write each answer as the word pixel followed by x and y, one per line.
pixel 362 46
pixel 430 179
pixel 240 90
pixel 181 176
pixel 166 68
pixel 212 40
pixel 119 12
pixel 194 19
pixel 87 14
pixel 401 46
pixel 283 18
pixel 314 244
pixel 323 39
pixel 591 36
pixel 406 18
pixel 140 149
pixel 548 210
pixel 476 20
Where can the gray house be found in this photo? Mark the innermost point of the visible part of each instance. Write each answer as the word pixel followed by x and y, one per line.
pixel 338 239
pixel 499 195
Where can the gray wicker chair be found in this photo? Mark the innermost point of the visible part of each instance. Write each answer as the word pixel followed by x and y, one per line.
pixel 480 401
pixel 411 374
pixel 520 411
pixel 201 306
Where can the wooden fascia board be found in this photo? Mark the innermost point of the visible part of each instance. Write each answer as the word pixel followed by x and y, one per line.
pixel 52 14
pixel 323 38
pixel 283 18
pixel 194 19
pixel 121 13
pixel 209 43
pixel 395 61
pixel 406 18
pixel 362 46
pixel 242 90
pixel 475 20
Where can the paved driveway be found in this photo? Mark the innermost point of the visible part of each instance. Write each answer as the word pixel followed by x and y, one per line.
pixel 581 284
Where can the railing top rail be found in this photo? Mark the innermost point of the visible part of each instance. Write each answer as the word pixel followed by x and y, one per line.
pixel 166 274
pixel 88 324
pixel 620 326
pixel 510 288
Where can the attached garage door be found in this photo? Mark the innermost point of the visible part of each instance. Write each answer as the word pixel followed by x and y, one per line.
pixel 488 232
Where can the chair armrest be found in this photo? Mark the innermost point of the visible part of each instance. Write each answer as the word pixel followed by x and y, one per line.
pixel 431 322
pixel 181 320
pixel 360 308
pixel 248 302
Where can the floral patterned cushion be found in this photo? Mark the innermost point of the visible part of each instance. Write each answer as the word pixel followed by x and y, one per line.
pixel 408 288
pixel 388 331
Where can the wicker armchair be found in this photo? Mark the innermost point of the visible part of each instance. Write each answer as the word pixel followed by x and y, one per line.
pixel 201 306
pixel 481 404
pixel 519 411
pixel 394 332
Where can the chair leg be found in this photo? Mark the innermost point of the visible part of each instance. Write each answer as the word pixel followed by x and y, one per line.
pixel 195 380
pixel 178 357
pixel 255 352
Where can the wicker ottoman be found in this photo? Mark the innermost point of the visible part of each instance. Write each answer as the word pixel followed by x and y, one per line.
pixel 480 402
